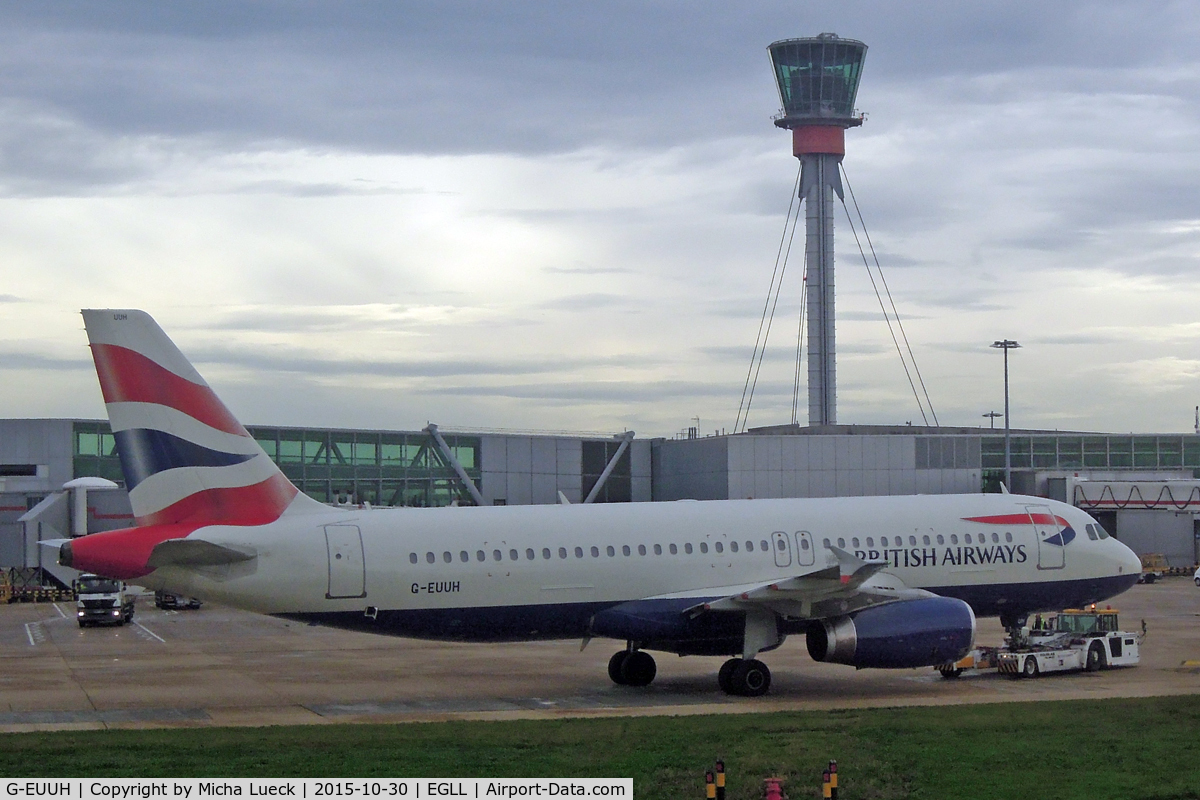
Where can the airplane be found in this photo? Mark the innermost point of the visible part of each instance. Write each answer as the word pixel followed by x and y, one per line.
pixel 889 582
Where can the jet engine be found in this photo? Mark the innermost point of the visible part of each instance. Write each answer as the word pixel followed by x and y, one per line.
pixel 908 633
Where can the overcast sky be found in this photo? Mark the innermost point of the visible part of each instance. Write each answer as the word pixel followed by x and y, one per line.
pixel 564 216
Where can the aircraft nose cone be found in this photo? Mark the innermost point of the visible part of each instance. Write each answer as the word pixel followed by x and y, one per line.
pixel 1128 562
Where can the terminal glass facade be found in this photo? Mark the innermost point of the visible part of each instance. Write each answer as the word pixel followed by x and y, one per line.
pixel 94 452
pixel 1074 451
pixel 377 467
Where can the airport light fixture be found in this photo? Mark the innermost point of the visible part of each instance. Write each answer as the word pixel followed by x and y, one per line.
pixel 991 415
pixel 1006 345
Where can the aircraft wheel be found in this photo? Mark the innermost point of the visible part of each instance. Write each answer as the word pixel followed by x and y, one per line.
pixel 950 672
pixel 1095 657
pixel 725 675
pixel 1030 669
pixel 750 678
pixel 638 668
pixel 614 667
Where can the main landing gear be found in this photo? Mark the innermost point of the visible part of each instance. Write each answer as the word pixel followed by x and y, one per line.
pixel 745 677
pixel 632 668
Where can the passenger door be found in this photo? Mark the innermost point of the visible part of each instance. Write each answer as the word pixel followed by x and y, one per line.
pixel 347 569
pixel 1051 551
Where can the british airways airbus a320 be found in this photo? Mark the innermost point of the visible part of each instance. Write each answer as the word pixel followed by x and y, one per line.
pixel 870 581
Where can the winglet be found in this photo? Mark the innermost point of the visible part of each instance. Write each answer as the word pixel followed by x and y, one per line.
pixel 562 499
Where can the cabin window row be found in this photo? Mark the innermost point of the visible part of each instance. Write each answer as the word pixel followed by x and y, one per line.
pixel 530 554
pixel 926 540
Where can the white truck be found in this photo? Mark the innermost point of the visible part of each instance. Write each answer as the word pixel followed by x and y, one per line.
pixel 102 601
pixel 1074 639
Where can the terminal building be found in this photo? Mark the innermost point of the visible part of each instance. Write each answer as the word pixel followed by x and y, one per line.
pixel 1145 489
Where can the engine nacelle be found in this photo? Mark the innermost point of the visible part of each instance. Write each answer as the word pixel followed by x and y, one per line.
pixel 907 633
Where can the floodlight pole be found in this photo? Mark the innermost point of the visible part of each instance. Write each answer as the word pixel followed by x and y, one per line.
pixel 1006 345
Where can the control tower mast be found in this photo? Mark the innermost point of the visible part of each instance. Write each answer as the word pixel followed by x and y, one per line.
pixel 818 81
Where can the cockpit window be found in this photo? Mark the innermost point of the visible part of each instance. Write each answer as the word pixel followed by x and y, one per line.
pixel 1100 530
pixel 1091 531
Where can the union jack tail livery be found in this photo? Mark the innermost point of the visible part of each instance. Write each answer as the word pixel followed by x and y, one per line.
pixel 187 462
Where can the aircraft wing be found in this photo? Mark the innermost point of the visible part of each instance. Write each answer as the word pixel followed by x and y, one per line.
pixel 840 588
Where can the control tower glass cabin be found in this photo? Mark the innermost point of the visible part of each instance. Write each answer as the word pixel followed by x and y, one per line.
pixel 817 80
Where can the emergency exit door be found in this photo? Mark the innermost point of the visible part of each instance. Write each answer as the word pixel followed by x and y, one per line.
pixel 806 553
pixel 782 545
pixel 347 569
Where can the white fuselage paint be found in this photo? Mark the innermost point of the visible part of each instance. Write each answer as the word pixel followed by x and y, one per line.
pixel 293 572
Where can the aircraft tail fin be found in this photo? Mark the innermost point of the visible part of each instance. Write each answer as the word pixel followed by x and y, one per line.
pixel 185 458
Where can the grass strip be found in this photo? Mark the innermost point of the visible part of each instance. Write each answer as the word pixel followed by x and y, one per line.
pixel 1119 748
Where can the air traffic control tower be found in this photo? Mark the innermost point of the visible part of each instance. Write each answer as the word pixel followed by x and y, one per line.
pixel 818 81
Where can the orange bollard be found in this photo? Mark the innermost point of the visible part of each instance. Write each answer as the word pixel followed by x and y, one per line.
pixel 833 779
pixel 710 788
pixel 720 767
pixel 826 790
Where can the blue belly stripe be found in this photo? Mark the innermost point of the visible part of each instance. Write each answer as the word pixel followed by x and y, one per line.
pixel 574 620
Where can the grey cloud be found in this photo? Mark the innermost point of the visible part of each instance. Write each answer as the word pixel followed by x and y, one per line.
pixel 741 355
pixel 39 361
pixel 964 300
pixel 1083 337
pixel 865 348
pixel 587 270
pixel 309 319
pixel 898 260
pixel 584 302
pixel 874 316
pixel 11 298
pixel 301 189
pixel 423 75
pixel 608 391
pixel 744 307
pixel 45 154
pixel 267 360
